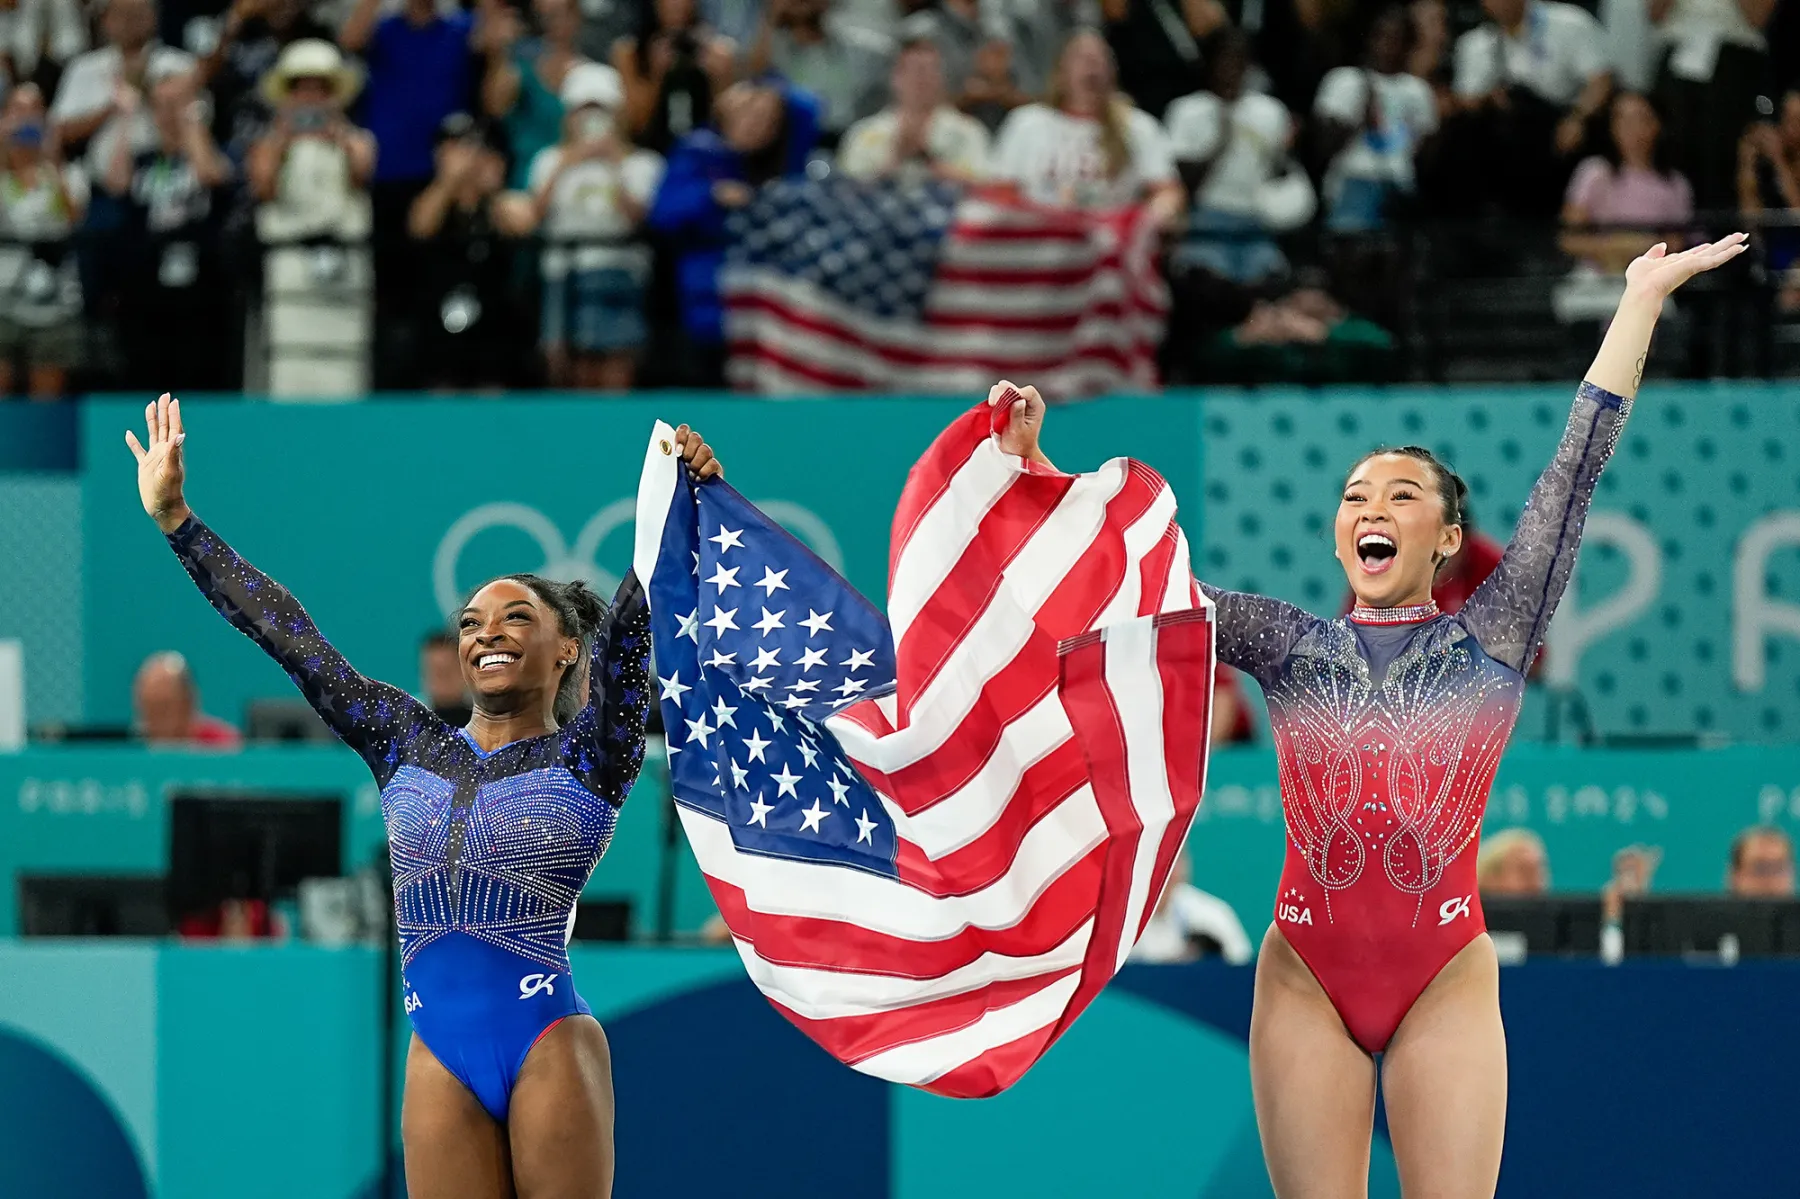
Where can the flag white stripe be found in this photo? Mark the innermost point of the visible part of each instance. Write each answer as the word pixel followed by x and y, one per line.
pixel 656 489
pixel 944 531
pixel 925 1060
pixel 1136 686
pixel 964 815
pixel 1140 538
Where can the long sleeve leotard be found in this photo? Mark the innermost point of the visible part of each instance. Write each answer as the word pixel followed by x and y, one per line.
pixel 1388 728
pixel 490 849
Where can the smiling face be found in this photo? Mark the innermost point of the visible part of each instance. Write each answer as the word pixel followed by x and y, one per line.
pixel 1391 533
pixel 513 648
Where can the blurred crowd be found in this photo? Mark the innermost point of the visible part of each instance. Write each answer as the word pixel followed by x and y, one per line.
pixel 405 193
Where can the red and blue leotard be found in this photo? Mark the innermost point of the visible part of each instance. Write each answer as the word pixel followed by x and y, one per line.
pixel 1388 728
pixel 490 849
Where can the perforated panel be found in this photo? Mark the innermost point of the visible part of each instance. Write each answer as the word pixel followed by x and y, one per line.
pixel 40 588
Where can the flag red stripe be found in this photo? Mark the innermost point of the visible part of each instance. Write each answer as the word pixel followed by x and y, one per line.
pixel 931 474
pixel 1153 575
pixel 995 1070
pixel 1184 656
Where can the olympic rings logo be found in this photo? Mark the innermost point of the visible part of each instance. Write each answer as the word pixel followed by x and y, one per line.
pixel 568 562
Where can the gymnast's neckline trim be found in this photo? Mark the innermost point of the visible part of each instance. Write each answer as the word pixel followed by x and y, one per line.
pixel 1411 614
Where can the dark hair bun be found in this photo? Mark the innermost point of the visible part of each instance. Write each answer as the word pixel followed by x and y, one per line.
pixel 589 609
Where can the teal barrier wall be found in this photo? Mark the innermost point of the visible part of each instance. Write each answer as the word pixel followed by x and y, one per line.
pixel 104 811
pixel 40 587
pixel 379 515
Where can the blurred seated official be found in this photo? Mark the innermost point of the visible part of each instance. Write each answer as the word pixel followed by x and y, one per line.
pixel 1762 864
pixel 165 704
pixel 440 678
pixel 1513 865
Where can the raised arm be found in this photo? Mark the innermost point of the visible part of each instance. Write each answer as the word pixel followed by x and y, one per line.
pixel 372 718
pixel 1511 609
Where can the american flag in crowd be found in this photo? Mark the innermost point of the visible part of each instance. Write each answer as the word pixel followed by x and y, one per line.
pixel 934 844
pixel 838 285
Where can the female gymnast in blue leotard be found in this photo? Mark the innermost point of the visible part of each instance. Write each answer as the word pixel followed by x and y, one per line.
pixel 493 829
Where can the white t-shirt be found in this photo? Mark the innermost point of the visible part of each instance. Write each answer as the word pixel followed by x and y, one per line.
pixel 1406 114
pixel 1191 913
pixel 1695 29
pixel 953 140
pixel 36 292
pixel 1555 51
pixel 88 86
pixel 585 203
pixel 1259 128
pixel 1056 158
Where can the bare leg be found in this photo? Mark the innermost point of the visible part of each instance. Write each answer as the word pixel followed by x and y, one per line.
pixel 1444 1077
pixel 562 1115
pixel 454 1150
pixel 1314 1086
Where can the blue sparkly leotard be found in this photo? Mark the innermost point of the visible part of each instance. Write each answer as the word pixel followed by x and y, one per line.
pixel 1388 727
pixel 490 850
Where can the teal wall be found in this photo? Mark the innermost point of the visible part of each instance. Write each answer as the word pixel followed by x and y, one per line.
pixel 104 811
pixel 379 515
pixel 40 587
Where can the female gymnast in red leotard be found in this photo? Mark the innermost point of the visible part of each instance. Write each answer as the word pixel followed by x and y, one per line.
pixel 1388 725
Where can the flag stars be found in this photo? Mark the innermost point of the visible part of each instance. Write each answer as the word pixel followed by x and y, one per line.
pixel 699 730
pixel 727 538
pixel 722 619
pixel 811 818
pixel 755 746
pixel 759 811
pixel 776 723
pixel 723 577
pixel 858 659
pixel 718 659
pixel 690 626
pixel 850 686
pixel 756 683
pixel 772 581
pixel 785 782
pixel 840 791
pixel 817 623
pixel 724 713
pixel 738 774
pixel 766 659
pixel 672 687
pixel 865 828
pixel 810 658
pixel 770 622
pixel 810 754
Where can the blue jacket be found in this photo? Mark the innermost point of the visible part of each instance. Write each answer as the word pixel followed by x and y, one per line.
pixel 685 212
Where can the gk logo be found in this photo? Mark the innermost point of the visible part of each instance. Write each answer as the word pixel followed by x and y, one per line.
pixel 579 561
pixel 532 984
pixel 413 1002
pixel 1452 908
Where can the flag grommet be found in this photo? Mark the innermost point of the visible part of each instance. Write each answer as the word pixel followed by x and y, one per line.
pixel 665 446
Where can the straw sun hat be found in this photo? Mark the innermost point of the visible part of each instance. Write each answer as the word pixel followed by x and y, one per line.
pixel 311 58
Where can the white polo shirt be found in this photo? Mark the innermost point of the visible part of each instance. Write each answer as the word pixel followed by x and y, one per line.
pixel 1555 51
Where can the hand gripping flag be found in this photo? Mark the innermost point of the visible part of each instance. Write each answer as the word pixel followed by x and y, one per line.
pixel 934 844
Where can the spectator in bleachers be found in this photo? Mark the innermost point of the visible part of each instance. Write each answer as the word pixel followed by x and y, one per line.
pixel 524 78
pixel 42 202
pixel 251 39
pixel 764 132
pixel 1306 336
pixel 1371 121
pixel 468 227
pixel 1631 184
pixel 441 686
pixel 98 97
pixel 591 194
pixel 1528 81
pixel 1188 923
pixel 1714 70
pixel 1428 50
pixel 38 38
pixel 1160 41
pixel 1769 182
pixel 1513 865
pixel 165 704
pixel 1762 864
pixel 1232 148
pixel 309 173
pixel 1035 33
pixel 673 67
pixel 844 67
pixel 992 90
pixel 918 136
pixel 1088 146
pixel 174 302
pixel 961 29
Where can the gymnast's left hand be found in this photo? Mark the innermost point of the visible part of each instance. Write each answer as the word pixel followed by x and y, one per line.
pixel 698 455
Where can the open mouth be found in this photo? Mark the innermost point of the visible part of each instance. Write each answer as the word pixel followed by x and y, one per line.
pixel 494 661
pixel 1376 551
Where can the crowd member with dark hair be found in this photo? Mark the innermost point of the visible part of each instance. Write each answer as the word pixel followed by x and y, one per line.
pixel 98 98
pixel 841 65
pixel 1714 70
pixel 508 1086
pixel 1160 43
pixel 1630 184
pixel 42 202
pixel 918 136
pixel 472 335
pixel 174 306
pixel 1087 145
pixel 39 38
pixel 765 131
pixel 1527 83
pixel 1769 182
pixel 523 80
pixel 1762 864
pixel 673 67
pixel 251 39
pixel 1371 122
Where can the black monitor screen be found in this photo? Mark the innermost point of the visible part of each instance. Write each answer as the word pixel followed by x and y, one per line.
pixel 1675 925
pixel 245 846
pixel 92 906
pixel 1549 924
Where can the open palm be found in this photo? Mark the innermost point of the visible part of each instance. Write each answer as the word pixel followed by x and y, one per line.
pixel 1661 272
pixel 160 467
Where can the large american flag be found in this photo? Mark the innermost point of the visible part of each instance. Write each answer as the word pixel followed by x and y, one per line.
pixel 837 285
pixel 934 844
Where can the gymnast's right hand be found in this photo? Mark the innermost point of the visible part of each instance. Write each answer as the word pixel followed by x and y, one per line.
pixel 1021 436
pixel 160 467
